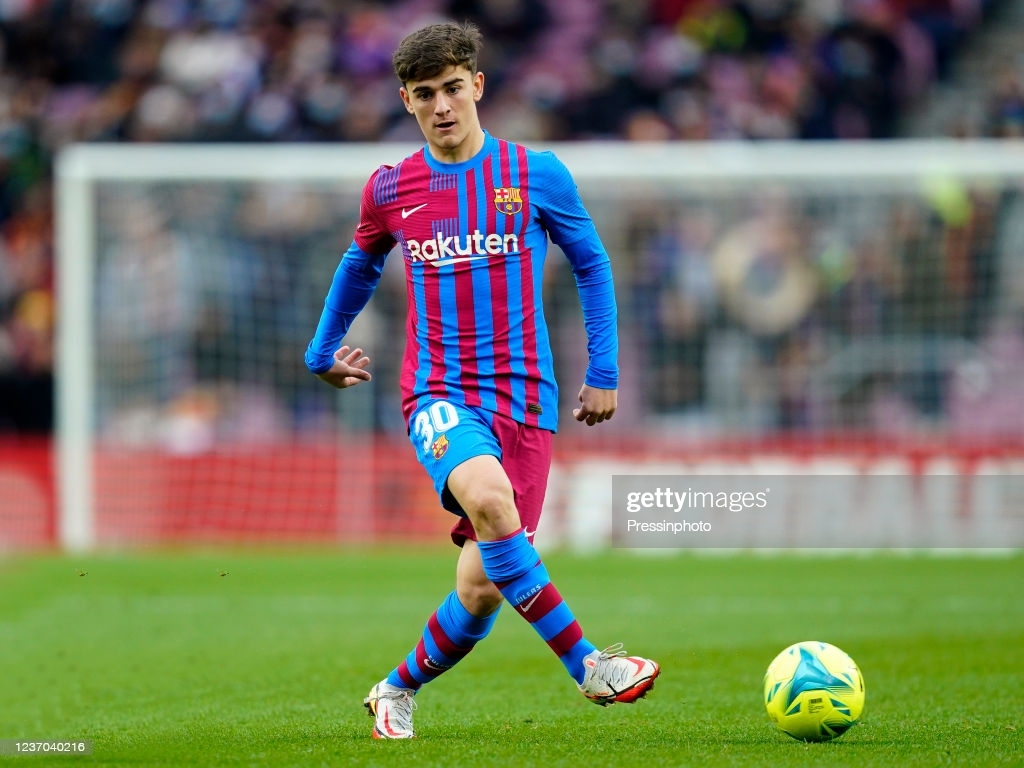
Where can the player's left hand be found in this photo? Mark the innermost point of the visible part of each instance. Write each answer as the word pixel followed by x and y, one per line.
pixel 596 405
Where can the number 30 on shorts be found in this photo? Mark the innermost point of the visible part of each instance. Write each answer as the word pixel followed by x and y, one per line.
pixel 439 416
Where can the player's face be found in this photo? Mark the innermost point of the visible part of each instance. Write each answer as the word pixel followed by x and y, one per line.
pixel 445 108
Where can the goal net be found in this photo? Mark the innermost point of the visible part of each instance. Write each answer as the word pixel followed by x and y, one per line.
pixel 784 308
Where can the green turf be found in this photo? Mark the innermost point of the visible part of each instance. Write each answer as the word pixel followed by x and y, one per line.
pixel 263 659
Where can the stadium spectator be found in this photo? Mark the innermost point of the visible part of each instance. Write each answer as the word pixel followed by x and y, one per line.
pixel 1005 109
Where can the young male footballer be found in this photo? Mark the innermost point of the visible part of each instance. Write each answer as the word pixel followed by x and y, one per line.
pixel 472 215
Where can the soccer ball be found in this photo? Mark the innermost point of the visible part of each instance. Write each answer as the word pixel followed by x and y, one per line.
pixel 813 691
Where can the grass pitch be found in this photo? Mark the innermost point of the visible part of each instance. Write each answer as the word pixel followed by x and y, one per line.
pixel 258 658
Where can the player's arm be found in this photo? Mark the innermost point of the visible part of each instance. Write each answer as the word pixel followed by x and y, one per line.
pixel 593 273
pixel 354 283
pixel 571 228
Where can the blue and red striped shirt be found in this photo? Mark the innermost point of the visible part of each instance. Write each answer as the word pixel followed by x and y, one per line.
pixel 474 236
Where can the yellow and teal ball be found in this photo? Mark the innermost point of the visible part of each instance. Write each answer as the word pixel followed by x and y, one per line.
pixel 813 691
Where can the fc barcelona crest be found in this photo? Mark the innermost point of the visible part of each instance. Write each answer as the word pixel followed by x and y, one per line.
pixel 439 447
pixel 508 200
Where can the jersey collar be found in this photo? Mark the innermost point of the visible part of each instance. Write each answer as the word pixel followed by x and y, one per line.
pixel 466 165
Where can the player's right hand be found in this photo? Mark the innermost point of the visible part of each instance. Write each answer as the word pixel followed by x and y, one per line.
pixel 349 368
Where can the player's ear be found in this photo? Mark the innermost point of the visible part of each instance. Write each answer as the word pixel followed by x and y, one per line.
pixel 405 99
pixel 478 86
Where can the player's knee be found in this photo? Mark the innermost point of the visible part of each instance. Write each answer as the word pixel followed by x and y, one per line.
pixel 480 598
pixel 490 503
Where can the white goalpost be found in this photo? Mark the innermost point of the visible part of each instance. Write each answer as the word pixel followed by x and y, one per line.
pixel 854 303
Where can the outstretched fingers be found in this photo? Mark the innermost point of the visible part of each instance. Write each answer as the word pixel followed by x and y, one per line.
pixel 353 358
pixel 349 368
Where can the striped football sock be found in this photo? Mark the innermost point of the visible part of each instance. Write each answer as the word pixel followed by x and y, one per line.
pixel 450 634
pixel 516 569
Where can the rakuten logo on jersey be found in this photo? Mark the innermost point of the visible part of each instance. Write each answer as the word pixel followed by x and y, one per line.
pixel 449 250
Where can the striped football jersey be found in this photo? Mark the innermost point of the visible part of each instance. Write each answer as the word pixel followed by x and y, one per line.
pixel 474 237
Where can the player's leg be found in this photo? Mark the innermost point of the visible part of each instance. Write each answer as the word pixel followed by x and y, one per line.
pixel 476 592
pixel 467 614
pixel 464 617
pixel 508 559
pixel 485 491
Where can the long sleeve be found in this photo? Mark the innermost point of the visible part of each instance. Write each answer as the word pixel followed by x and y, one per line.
pixel 354 283
pixel 572 229
pixel 592 270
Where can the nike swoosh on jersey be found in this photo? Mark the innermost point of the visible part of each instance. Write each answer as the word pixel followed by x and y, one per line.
pixel 407 212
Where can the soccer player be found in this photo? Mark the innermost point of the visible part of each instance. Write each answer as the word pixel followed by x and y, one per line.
pixel 472 215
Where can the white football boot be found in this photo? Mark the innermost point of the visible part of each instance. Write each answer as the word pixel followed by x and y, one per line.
pixel 391 707
pixel 612 676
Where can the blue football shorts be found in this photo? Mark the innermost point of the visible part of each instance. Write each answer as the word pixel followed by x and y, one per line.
pixel 445 434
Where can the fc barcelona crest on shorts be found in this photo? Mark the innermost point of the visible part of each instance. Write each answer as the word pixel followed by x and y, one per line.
pixel 439 447
pixel 508 200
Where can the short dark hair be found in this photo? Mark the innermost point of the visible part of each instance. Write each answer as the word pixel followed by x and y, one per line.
pixel 428 52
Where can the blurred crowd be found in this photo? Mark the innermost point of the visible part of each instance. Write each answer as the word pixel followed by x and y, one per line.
pixel 816 311
pixel 319 71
